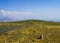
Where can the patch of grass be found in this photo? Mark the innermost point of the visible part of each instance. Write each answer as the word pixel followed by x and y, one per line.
pixel 31 32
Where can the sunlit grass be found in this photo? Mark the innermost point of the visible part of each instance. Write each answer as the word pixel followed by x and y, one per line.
pixel 31 32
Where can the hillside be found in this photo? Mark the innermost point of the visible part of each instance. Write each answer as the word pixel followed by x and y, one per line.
pixel 30 31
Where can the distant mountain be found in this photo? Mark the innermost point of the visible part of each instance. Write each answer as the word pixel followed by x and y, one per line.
pixel 4 18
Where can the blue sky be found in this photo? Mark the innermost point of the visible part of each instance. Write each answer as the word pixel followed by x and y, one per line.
pixel 31 9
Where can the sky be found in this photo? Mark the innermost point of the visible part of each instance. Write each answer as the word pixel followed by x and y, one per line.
pixel 31 9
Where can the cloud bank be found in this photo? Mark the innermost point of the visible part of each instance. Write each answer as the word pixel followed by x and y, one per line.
pixel 16 15
pixel 13 12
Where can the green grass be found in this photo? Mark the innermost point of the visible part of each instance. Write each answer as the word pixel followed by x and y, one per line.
pixel 31 31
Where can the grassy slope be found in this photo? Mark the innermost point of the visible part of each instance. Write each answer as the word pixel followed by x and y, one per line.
pixel 31 31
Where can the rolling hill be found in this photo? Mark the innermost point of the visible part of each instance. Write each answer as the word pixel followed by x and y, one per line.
pixel 30 31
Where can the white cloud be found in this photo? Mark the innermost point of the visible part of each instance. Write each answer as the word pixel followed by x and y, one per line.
pixel 13 12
